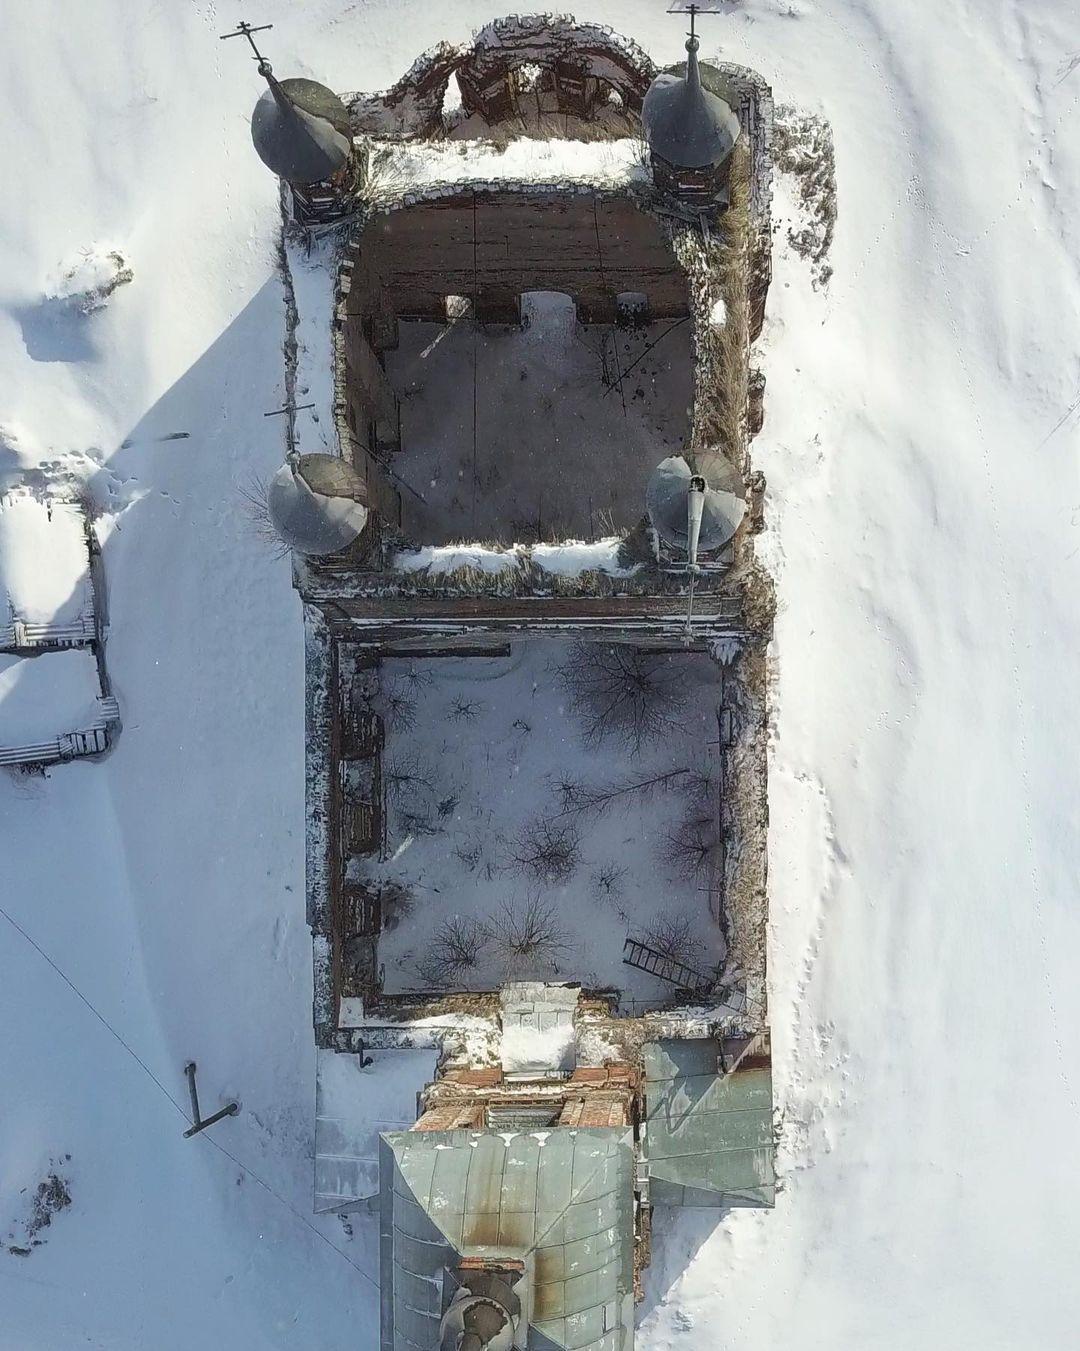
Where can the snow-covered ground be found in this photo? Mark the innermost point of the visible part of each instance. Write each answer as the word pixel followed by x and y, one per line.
pixel 920 447
pixel 550 444
pixel 478 831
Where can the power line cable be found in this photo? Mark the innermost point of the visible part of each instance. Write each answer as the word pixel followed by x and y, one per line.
pixel 289 1206
pixel 250 1172
pixel 100 1017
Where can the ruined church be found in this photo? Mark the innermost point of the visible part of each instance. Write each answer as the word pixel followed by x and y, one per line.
pixel 525 284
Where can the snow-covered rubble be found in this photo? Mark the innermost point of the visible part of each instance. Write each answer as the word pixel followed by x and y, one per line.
pixel 86 283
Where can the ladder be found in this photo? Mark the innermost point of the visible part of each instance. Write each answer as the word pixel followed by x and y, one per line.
pixel 664 967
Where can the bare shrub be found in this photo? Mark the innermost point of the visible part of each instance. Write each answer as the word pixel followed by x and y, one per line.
pixel 607 881
pixel 606 886
pixel 255 507
pixel 605 524
pixel 409 785
pixel 417 821
pixel 693 847
pixel 622 692
pixel 383 179
pixel 581 799
pixel 407 777
pixel 454 950
pixel 464 710
pixel 470 854
pixel 396 902
pixel 698 787
pixel 527 933
pixel 415 678
pixel 547 851
pixel 673 935
pixel 400 708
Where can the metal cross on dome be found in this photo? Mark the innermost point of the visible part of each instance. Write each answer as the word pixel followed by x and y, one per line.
pixel 245 30
pixel 696 7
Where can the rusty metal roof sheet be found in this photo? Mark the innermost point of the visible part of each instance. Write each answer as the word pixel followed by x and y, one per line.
pixel 561 1201
pixel 710 1137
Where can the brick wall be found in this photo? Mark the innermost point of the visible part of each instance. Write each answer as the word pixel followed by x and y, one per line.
pixel 492 246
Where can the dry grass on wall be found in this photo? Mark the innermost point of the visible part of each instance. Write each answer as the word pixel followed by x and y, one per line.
pixel 746 859
pixel 720 268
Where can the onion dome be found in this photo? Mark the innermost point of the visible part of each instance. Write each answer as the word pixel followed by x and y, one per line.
pixel 318 504
pixel 684 124
pixel 300 129
pixel 668 500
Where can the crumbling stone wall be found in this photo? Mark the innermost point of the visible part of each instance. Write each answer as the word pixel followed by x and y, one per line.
pixel 744 827
pixel 365 407
pixel 580 63
pixel 320 742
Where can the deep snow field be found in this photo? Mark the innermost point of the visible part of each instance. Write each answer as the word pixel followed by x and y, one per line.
pixel 920 447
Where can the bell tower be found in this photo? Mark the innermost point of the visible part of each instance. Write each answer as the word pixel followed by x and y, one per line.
pixel 690 131
pixel 301 132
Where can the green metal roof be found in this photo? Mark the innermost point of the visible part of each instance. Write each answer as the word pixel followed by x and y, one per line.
pixel 560 1200
pixel 710 1137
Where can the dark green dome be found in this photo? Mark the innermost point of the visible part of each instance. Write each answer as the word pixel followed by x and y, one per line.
pixel 300 130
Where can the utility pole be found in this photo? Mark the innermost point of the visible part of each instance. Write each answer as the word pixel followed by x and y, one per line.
pixel 198 1124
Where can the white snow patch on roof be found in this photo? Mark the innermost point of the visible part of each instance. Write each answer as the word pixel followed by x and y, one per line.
pixel 568 559
pixel 526 1047
pixel 47 696
pixel 450 557
pixel 44 561
pixel 594 162
pixel 575 556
